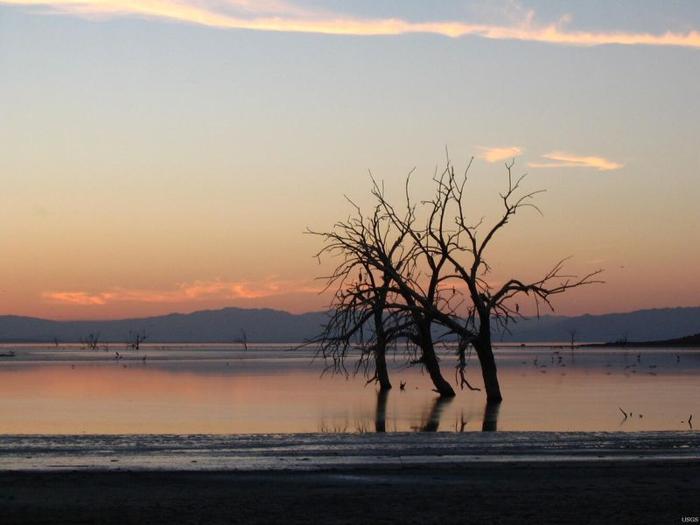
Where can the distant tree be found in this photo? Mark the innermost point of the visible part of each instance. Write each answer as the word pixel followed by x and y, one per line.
pixel 243 340
pixel 428 264
pixel 622 340
pixel 91 341
pixel 136 337
pixel 572 336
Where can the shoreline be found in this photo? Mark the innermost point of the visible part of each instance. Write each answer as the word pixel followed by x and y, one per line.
pixel 549 492
pixel 323 451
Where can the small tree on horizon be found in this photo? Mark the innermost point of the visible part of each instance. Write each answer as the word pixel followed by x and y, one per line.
pixel 91 341
pixel 136 338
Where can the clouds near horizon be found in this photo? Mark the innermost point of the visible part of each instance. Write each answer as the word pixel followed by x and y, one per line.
pixel 282 16
pixel 184 292
pixel 495 154
pixel 561 159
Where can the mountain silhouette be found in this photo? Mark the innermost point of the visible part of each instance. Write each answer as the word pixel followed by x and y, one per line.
pixel 275 326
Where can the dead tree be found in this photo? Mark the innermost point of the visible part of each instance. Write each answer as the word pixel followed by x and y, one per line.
pixel 91 341
pixel 243 340
pixel 388 293
pixel 361 318
pixel 429 264
pixel 136 338
pixel 465 245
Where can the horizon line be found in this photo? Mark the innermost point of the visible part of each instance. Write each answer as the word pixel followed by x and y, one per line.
pixel 185 313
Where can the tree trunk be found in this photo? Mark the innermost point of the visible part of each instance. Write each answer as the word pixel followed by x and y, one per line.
pixel 430 361
pixel 484 351
pixel 380 416
pixel 380 369
pixel 432 424
pixel 380 366
pixel 490 422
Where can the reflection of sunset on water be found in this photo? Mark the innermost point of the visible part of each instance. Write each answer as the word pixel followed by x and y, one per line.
pixel 278 392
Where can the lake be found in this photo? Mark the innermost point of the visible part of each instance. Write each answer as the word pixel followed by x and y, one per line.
pixel 222 389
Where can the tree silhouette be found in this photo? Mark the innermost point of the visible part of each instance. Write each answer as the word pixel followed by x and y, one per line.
pixel 136 338
pixel 379 250
pixel 465 245
pixel 91 341
pixel 421 273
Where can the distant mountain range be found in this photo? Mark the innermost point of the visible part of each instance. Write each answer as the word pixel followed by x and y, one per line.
pixel 206 326
pixel 679 342
pixel 641 325
pixel 274 326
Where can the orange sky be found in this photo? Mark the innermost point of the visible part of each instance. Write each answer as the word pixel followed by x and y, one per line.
pixel 166 156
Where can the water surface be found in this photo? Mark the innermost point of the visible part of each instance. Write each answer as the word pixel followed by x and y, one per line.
pixel 219 389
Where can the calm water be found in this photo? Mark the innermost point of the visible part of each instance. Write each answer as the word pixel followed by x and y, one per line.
pixel 210 389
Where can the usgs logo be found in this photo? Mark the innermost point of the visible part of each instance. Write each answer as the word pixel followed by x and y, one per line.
pixel 690 519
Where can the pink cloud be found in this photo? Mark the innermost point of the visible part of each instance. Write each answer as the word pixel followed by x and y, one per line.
pixel 277 15
pixel 184 292
pixel 560 159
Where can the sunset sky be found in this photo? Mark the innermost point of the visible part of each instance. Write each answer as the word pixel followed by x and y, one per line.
pixel 162 155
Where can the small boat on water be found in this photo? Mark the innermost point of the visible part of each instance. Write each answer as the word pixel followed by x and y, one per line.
pixel 7 354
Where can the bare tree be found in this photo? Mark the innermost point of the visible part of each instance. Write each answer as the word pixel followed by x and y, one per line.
pixel 359 320
pixel 91 341
pixel 136 337
pixel 572 336
pixel 243 340
pixel 464 244
pixel 388 291
pixel 423 266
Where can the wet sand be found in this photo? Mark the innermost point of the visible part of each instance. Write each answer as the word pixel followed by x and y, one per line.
pixel 492 477
pixel 550 492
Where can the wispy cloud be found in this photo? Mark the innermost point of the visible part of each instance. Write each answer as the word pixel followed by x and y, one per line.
pixel 277 15
pixel 560 159
pixel 185 292
pixel 499 153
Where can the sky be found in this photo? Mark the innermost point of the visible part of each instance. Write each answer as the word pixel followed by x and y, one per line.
pixel 160 155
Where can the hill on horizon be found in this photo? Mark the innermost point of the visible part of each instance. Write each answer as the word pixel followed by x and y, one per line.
pixel 263 325
pixel 275 326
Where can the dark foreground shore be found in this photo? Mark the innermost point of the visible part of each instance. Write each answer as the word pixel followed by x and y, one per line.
pixel 541 492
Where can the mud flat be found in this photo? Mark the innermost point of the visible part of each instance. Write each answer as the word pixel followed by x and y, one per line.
pixel 324 478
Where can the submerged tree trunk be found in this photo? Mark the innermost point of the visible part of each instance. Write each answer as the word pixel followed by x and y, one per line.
pixel 484 350
pixel 490 422
pixel 381 371
pixel 431 364
pixel 380 415
pixel 432 423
